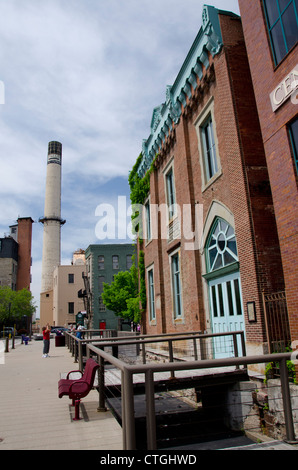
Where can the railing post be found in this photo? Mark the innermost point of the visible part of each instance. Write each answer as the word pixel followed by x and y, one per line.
pixel 72 345
pixel 286 396
pixel 129 420
pixel 150 410
pixel 243 344
pixel 235 347
pixel 75 350
pixel 80 347
pixel 171 356
pixel 202 349
pixel 101 385
pixel 195 349
pixel 144 352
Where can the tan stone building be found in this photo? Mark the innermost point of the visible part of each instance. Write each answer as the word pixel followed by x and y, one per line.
pixel 62 304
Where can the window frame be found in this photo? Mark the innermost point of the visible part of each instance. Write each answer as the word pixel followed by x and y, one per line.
pixel 115 263
pixel 101 281
pixel 172 204
pixel 70 278
pixel 101 305
pixel 147 217
pixel 151 294
pixel 101 264
pixel 205 116
pixel 293 144
pixel 219 227
pixel 129 262
pixel 177 296
pixel 283 29
pixel 70 304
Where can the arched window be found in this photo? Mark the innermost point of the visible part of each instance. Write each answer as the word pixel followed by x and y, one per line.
pixel 221 247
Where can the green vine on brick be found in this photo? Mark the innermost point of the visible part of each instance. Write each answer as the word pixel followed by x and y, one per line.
pixel 139 187
pixel 139 190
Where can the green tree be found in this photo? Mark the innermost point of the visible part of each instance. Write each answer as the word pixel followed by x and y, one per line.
pixel 6 300
pixel 23 304
pixel 121 296
pixel 15 304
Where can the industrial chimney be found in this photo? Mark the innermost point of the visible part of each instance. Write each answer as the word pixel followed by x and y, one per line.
pixel 51 220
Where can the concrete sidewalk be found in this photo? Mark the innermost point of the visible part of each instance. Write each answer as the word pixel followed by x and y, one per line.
pixel 32 417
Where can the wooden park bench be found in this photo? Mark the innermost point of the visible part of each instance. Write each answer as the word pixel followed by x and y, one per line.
pixel 77 389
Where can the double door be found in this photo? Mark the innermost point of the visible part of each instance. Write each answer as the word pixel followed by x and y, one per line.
pixel 226 313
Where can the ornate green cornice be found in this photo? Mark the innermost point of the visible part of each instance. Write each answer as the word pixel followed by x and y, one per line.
pixel 165 116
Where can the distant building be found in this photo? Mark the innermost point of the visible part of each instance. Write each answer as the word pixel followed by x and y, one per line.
pixel 103 262
pixel 15 255
pixel 66 303
pixel 271 36
pixel 8 262
pixel 62 304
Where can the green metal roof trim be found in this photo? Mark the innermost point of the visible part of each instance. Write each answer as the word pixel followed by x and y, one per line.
pixel 209 38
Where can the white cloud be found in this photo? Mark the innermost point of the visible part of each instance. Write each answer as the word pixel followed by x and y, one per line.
pixel 87 73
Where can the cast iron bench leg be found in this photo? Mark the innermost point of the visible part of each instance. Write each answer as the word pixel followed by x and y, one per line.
pixel 77 410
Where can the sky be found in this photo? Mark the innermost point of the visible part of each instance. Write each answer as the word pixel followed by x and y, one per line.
pixel 87 73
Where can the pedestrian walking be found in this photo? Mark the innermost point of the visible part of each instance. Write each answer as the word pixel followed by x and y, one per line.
pixel 46 340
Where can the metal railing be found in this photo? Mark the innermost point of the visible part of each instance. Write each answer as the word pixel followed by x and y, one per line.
pixel 127 388
pixel 198 341
pixel 127 372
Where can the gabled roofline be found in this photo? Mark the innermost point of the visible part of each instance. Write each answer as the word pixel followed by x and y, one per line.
pixel 165 116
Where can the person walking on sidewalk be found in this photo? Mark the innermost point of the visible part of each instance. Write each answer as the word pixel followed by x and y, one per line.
pixel 46 340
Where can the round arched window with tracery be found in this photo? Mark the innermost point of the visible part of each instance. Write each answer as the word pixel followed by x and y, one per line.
pixel 222 246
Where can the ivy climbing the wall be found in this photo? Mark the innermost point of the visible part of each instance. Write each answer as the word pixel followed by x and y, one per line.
pixel 139 191
pixel 139 187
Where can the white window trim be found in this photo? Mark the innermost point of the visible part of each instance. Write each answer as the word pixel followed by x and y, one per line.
pixel 199 123
pixel 152 318
pixel 147 202
pixel 168 168
pixel 176 318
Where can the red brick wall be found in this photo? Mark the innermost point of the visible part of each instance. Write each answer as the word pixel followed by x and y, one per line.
pixel 243 188
pixel 24 253
pixel 266 78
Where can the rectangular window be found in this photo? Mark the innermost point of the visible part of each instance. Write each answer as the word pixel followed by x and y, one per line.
pixel 209 149
pixel 128 261
pixel 70 307
pixel 70 278
pixel 101 262
pixel 176 283
pixel 171 198
pixel 101 281
pixel 115 260
pixel 282 24
pixel 151 294
pixel 102 307
pixel 293 131
pixel 148 221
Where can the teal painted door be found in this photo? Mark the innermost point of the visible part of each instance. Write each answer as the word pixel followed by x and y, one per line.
pixel 226 312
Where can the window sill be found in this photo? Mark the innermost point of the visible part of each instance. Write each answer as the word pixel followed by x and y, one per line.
pixel 212 180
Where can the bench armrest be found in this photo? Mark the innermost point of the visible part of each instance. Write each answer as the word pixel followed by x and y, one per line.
pixel 72 371
pixel 79 382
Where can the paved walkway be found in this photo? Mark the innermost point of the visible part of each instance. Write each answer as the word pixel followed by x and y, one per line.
pixel 32 417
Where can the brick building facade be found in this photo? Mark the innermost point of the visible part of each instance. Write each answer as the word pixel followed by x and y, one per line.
pixel 209 174
pixel 273 60
pixel 15 255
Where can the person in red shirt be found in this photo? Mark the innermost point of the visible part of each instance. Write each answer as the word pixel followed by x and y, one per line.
pixel 46 340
